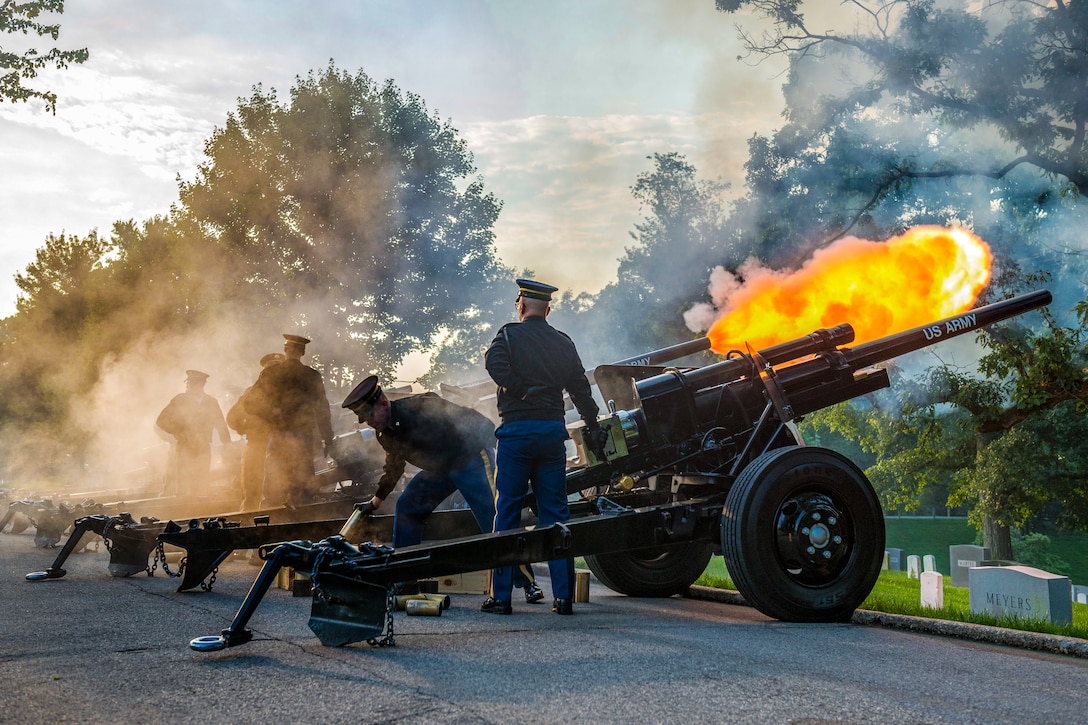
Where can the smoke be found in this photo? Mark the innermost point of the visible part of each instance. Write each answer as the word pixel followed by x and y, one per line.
pixel 126 448
pixel 724 284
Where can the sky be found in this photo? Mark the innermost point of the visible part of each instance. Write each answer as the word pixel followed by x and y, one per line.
pixel 561 104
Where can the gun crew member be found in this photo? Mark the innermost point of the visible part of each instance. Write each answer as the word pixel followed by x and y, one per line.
pixel 290 397
pixel 533 363
pixel 191 417
pixel 451 444
pixel 256 431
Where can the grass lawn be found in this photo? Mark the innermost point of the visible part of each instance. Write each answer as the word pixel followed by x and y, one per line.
pixel 896 593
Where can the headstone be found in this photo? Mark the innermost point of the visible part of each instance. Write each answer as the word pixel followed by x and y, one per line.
pixel 1021 591
pixel 896 562
pixel 884 566
pixel 932 590
pixel 962 558
pixel 1080 594
pixel 929 563
pixel 914 566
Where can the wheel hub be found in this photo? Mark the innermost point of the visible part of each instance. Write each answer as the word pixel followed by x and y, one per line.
pixel 811 538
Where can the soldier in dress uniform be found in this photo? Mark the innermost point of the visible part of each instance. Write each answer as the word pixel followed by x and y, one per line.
pixel 256 431
pixel 290 398
pixel 533 363
pixel 451 444
pixel 190 417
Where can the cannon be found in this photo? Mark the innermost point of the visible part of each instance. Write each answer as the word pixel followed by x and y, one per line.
pixel 707 461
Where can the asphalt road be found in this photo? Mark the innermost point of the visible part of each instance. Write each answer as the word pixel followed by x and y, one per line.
pixel 90 648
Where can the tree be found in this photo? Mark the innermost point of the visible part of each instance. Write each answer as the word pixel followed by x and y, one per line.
pixel 15 68
pixel 1019 67
pixel 45 352
pixel 350 211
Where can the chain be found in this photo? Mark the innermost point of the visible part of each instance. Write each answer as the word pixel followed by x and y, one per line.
pixel 105 540
pixel 207 587
pixel 160 555
pixel 386 640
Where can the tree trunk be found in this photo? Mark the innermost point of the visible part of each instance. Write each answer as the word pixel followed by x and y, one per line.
pixel 998 538
pixel 995 535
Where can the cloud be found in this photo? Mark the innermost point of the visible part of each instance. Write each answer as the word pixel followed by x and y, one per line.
pixel 565 182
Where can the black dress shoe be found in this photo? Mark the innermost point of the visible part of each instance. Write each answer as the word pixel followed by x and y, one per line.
pixel 563 606
pixel 494 606
pixel 533 593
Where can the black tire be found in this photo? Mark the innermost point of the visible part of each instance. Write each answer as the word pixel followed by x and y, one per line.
pixel 657 572
pixel 803 535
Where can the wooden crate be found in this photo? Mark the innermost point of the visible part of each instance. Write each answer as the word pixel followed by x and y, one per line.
pixel 473 582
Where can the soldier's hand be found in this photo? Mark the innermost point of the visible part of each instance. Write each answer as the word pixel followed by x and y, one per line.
pixel 595 439
pixel 365 509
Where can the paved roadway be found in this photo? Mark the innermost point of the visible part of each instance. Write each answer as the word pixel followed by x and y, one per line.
pixel 89 648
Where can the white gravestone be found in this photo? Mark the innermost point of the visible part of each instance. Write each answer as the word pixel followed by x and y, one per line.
pixel 1080 594
pixel 914 566
pixel 932 590
pixel 929 563
pixel 1021 591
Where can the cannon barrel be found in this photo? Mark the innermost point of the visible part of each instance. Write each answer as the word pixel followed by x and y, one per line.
pixel 666 354
pixel 903 342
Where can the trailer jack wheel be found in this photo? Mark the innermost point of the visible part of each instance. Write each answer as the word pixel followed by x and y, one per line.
pixel 803 535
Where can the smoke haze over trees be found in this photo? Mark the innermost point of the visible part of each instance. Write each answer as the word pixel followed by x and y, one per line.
pixel 349 214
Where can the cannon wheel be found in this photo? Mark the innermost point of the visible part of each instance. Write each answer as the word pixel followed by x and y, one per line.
pixel 803 535
pixel 656 572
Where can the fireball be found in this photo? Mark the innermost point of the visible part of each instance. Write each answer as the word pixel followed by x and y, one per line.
pixel 880 288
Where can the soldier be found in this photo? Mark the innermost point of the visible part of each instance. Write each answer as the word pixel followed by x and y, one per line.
pixel 256 431
pixel 533 363
pixel 451 444
pixel 190 417
pixel 290 398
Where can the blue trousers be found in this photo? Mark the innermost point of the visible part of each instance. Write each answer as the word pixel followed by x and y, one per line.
pixel 426 490
pixel 532 453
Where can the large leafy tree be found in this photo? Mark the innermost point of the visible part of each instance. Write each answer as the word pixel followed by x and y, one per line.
pixel 351 212
pixel 18 67
pixel 46 353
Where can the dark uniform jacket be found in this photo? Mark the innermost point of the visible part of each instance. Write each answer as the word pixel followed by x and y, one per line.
pixel 533 363
pixel 433 434
pixel 290 396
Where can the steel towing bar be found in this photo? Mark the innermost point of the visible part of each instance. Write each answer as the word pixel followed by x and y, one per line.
pixel 205 549
pixel 353 585
pixel 130 542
